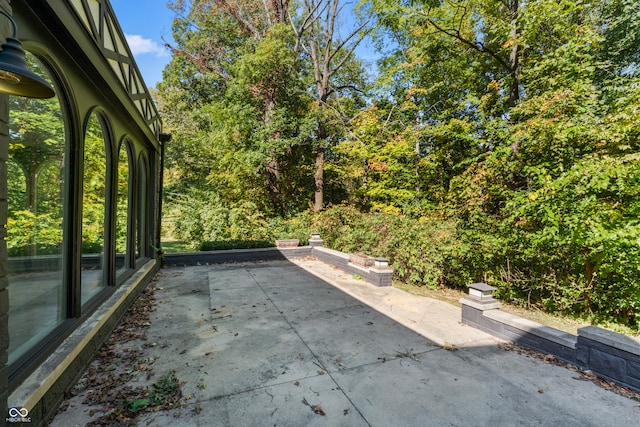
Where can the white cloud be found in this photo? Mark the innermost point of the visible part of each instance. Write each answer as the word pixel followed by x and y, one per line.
pixel 140 46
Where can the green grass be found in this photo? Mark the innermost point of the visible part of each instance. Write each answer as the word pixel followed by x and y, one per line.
pixel 557 321
pixel 176 246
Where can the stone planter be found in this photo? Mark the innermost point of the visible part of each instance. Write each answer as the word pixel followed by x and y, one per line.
pixel 287 243
pixel 361 260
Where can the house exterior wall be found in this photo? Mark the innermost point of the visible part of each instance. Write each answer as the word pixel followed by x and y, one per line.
pixel 87 84
pixel 4 294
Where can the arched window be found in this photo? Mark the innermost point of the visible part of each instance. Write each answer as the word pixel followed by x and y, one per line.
pixel 122 210
pixel 35 179
pixel 93 207
pixel 142 247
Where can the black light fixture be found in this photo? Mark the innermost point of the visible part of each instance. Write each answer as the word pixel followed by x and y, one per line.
pixel 15 77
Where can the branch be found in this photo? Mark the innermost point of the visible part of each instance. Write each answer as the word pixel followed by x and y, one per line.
pixel 479 47
pixel 393 107
pixel 308 21
pixel 331 19
pixel 266 12
pixel 234 11
pixel 339 88
pixel 199 60
pixel 350 36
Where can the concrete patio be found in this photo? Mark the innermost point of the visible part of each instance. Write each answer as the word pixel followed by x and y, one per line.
pixel 264 344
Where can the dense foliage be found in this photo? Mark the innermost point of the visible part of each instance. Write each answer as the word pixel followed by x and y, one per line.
pixel 499 141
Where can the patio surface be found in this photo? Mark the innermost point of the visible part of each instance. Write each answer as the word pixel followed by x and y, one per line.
pixel 270 343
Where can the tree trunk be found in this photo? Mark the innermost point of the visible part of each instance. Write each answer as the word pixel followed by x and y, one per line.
pixel 514 92
pixel 319 180
pixel 273 167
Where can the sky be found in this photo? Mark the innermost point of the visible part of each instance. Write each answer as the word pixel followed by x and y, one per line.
pixel 145 24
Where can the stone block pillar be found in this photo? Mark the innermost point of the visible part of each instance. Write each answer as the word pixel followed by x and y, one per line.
pixel 315 240
pixel 479 300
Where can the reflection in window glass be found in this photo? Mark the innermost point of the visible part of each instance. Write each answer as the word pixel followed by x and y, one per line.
pixel 122 207
pixel 35 174
pixel 143 210
pixel 17 189
pixel 93 208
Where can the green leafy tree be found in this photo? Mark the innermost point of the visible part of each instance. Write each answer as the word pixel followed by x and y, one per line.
pixel 93 187
pixel 514 106
pixel 37 141
pixel 377 161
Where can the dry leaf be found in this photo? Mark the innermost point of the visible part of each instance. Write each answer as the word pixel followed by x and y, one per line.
pixel 317 409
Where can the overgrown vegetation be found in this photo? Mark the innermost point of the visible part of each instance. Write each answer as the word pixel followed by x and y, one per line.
pixel 498 141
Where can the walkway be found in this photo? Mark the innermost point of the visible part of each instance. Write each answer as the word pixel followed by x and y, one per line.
pixel 281 344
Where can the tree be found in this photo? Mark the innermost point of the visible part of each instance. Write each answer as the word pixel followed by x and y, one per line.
pixel 330 54
pixel 256 62
pixel 377 161
pixel 37 139
pixel 531 172
pixel 243 128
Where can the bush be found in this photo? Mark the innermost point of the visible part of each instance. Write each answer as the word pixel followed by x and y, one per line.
pixel 422 252
pixel 31 234
pixel 201 218
pixel 574 242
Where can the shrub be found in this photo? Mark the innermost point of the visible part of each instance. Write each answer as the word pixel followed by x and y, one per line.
pixel 575 241
pixel 422 252
pixel 31 234
pixel 202 218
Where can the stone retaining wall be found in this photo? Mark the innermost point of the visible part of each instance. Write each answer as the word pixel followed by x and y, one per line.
pixel 609 354
pixel 377 275
pixel 612 355
pixel 234 255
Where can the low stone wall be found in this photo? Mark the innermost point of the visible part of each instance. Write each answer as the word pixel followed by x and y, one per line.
pixel 609 354
pixel 182 259
pixel 612 355
pixel 378 274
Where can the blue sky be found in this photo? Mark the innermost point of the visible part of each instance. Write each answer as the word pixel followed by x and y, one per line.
pixel 145 23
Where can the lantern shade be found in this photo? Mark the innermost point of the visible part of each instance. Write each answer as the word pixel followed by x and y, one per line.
pixel 15 76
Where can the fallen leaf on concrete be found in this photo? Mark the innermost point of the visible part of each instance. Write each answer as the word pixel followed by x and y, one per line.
pixel 105 386
pixel 317 409
pixel 584 375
